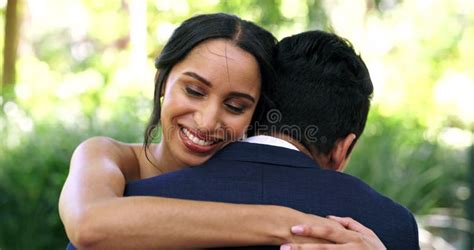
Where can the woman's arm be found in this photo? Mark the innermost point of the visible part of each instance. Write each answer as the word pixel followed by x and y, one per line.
pixel 95 214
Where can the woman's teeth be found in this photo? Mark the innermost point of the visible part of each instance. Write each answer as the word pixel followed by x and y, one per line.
pixel 196 140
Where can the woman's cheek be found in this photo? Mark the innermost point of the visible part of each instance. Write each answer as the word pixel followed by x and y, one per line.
pixel 180 103
pixel 240 127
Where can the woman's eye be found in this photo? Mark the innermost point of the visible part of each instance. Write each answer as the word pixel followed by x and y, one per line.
pixel 193 91
pixel 237 109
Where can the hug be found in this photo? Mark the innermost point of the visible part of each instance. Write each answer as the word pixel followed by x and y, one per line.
pixel 225 173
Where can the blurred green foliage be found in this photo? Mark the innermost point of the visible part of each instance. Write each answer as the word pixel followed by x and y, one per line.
pixel 77 80
pixel 33 169
pixel 397 158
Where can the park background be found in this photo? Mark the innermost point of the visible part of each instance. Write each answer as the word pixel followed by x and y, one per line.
pixel 74 69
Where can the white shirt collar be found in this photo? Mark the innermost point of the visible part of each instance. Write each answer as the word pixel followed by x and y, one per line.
pixel 270 140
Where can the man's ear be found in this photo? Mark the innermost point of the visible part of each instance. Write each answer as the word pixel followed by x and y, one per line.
pixel 338 155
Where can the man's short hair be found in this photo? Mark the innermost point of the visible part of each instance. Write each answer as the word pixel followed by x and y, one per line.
pixel 323 88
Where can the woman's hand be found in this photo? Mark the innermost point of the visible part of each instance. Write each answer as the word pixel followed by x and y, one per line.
pixel 353 236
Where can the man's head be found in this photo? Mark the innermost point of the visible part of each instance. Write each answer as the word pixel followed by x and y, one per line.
pixel 324 91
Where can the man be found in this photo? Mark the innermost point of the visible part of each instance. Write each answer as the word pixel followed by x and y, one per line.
pixel 322 102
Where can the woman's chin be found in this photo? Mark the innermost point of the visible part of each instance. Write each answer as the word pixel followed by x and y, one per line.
pixel 193 158
pixel 193 161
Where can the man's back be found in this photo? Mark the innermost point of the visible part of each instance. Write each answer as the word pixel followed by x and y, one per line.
pixel 261 174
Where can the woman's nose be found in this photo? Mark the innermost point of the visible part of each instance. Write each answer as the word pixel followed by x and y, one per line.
pixel 208 118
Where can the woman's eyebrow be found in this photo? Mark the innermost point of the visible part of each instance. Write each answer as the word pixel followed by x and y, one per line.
pixel 243 95
pixel 198 77
pixel 208 83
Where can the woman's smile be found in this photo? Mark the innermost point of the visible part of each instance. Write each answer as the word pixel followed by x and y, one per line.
pixel 198 142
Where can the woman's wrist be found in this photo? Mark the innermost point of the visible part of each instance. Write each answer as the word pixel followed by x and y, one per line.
pixel 277 222
pixel 282 219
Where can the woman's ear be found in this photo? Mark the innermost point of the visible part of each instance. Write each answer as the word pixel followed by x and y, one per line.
pixel 163 86
pixel 162 92
pixel 338 155
pixel 157 74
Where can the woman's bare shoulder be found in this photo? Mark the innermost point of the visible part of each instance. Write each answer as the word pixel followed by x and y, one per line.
pixel 126 156
pixel 131 158
pixel 146 159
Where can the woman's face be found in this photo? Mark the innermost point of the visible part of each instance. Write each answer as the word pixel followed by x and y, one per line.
pixel 209 100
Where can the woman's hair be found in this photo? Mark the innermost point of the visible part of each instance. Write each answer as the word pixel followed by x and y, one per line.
pixel 244 34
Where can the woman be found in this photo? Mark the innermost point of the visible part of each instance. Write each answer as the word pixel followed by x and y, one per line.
pixel 212 78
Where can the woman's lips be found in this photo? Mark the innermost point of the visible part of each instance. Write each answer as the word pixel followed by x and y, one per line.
pixel 197 142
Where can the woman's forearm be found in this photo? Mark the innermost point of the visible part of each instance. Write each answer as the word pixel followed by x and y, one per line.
pixel 153 222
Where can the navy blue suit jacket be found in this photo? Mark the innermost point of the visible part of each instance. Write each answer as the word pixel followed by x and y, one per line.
pixel 261 174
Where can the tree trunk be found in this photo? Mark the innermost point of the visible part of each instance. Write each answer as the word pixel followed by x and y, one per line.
pixel 12 36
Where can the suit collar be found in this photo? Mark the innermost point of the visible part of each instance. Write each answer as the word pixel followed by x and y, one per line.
pixel 252 152
pixel 270 140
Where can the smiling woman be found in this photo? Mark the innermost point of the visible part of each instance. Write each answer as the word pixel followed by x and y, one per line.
pixel 204 107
